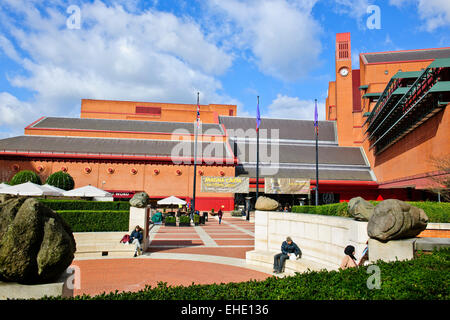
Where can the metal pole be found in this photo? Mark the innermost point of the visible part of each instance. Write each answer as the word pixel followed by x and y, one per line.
pixel 195 155
pixel 257 159
pixel 317 160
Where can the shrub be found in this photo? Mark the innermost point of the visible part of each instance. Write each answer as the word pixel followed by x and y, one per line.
pixel 170 219
pixel 96 221
pixel 196 218
pixel 61 180
pixel 81 205
pixel 436 211
pixel 25 176
pixel 423 278
pixel 185 219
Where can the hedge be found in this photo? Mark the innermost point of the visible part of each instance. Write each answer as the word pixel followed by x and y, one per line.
pixel 424 278
pixel 57 205
pixel 96 221
pixel 436 211
pixel 61 180
pixel 25 176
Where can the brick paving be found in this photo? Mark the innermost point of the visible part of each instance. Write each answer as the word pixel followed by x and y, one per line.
pixel 210 253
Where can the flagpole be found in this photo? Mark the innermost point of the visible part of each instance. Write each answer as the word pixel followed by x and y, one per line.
pixel 195 152
pixel 317 153
pixel 257 154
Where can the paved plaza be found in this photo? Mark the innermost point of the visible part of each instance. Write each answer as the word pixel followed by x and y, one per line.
pixel 205 254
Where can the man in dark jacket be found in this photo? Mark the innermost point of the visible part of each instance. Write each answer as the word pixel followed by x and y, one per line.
pixel 136 239
pixel 288 248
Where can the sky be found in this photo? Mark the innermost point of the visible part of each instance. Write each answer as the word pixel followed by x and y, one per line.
pixel 55 53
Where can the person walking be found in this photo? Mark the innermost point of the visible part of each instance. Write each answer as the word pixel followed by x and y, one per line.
pixel 288 248
pixel 220 214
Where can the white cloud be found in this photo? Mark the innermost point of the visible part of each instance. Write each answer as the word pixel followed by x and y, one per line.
pixel 116 54
pixel 433 13
pixel 293 108
pixel 282 35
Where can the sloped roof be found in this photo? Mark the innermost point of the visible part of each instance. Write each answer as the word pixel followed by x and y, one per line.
pixel 407 55
pixel 123 125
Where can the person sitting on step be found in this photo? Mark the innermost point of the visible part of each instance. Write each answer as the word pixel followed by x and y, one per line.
pixel 136 239
pixel 288 248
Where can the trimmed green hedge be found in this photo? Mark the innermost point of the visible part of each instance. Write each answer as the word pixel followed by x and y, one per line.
pixel 424 278
pixel 96 221
pixel 25 176
pixel 436 211
pixel 56 204
pixel 185 219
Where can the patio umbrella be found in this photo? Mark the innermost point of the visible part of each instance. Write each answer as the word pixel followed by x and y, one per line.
pixel 87 191
pixel 4 185
pixel 171 201
pixel 29 189
pixel 54 188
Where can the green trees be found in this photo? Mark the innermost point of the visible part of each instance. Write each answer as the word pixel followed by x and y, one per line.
pixel 25 176
pixel 61 180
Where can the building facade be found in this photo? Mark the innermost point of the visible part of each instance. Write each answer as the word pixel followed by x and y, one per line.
pixel 395 107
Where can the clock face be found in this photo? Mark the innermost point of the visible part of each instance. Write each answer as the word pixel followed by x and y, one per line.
pixel 343 72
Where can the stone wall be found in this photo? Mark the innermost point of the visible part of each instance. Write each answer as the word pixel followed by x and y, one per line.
pixel 321 238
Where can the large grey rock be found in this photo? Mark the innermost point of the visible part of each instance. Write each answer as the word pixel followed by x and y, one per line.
pixel 36 244
pixel 266 204
pixel 360 209
pixel 139 200
pixel 394 219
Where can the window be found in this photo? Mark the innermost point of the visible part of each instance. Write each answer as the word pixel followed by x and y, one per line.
pixel 152 111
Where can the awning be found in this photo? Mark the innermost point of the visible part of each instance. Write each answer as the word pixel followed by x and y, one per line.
pixel 372 95
pixel 364 87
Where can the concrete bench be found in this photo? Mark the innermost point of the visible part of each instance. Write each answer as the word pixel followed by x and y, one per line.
pixel 98 244
pixel 265 259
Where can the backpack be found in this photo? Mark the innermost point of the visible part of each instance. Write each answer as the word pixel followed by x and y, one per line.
pixel 125 239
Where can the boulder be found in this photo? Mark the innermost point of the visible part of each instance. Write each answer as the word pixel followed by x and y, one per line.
pixel 266 204
pixel 139 200
pixel 36 244
pixel 360 209
pixel 394 219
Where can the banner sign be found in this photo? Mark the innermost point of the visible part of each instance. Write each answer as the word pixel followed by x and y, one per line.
pixel 225 184
pixel 286 186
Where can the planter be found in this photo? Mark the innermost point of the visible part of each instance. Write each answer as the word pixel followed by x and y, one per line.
pixel 184 224
pixel 170 224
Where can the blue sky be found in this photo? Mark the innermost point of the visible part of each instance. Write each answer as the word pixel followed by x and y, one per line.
pixel 165 51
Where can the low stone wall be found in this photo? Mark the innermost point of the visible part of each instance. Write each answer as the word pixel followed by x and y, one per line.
pixel 321 238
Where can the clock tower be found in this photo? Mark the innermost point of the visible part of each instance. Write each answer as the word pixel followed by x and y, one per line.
pixel 344 90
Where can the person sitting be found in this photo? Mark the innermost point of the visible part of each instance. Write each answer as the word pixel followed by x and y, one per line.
pixel 157 218
pixel 136 239
pixel 349 261
pixel 288 248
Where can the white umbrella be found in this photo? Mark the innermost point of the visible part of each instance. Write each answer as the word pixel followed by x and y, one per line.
pixel 87 191
pixel 171 200
pixel 61 191
pixel 4 185
pixel 29 189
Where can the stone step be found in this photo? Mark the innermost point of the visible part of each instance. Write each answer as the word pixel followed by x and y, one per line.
pixel 265 259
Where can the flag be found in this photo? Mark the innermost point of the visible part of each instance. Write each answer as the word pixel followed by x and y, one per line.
pixel 258 116
pixel 316 119
pixel 198 111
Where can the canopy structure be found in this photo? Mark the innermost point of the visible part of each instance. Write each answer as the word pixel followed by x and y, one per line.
pixel 29 189
pixel 4 185
pixel 171 200
pixel 87 191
